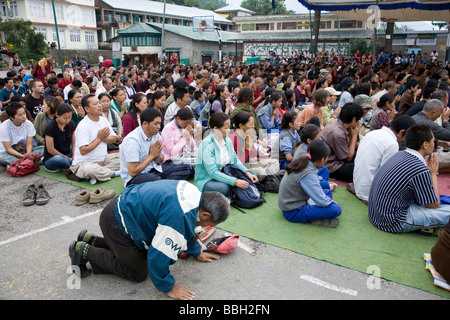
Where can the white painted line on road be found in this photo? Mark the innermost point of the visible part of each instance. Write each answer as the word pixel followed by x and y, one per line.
pixel 328 285
pixel 66 220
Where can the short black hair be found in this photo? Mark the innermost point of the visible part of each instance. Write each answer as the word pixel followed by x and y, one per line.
pixel 401 122
pixel 417 135
pixel 218 119
pixel 349 111
pixel 85 100
pixel 11 109
pixel 179 93
pixel 150 114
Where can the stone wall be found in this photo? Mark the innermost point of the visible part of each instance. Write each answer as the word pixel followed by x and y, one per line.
pixel 91 56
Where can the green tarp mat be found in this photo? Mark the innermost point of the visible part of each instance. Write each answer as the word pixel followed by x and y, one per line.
pixel 354 244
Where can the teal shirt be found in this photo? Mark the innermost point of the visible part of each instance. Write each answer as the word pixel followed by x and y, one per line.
pixel 209 163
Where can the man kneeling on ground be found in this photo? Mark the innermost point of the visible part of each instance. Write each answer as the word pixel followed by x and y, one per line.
pixel 145 228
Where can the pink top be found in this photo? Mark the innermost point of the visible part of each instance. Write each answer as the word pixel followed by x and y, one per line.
pixel 173 141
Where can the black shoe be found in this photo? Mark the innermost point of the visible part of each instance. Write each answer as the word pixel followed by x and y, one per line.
pixel 71 176
pixel 29 197
pixel 77 258
pixel 90 241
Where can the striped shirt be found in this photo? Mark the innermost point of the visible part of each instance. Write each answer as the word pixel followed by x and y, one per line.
pixel 402 180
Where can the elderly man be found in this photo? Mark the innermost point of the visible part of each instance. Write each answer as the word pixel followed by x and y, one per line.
pixel 145 239
pixel 433 110
pixel 65 80
pixel 106 86
pixel 390 87
pixel 258 95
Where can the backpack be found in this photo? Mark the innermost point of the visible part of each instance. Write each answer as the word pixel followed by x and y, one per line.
pixel 25 165
pixel 223 245
pixel 243 198
pixel 271 183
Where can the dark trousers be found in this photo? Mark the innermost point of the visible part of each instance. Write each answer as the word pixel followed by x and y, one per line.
pixel 170 171
pixel 116 253
pixel 344 173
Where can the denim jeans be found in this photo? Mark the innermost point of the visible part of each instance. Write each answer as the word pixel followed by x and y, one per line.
pixel 7 159
pixel 58 162
pixel 419 217
pixel 218 186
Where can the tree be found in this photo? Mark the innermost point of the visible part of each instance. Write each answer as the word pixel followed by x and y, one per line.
pixel 25 40
pixel 359 44
pixel 389 31
pixel 264 7
pixel 316 27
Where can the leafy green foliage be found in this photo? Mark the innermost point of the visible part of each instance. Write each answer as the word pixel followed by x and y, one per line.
pixel 21 34
pixel 264 7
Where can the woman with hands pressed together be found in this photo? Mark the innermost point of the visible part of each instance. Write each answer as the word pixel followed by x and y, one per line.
pixel 215 152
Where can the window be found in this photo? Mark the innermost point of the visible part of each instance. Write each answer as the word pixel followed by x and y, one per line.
pixel 75 35
pixel 42 30
pixel 87 15
pixel 398 42
pixel 262 26
pixel 37 9
pixel 348 24
pixel 89 36
pixel 289 26
pixel 108 16
pixel 59 10
pixel 426 42
pixel 11 10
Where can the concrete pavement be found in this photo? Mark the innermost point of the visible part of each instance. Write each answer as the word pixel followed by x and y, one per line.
pixel 34 261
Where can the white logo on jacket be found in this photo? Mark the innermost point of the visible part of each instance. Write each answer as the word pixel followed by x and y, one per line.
pixel 188 196
pixel 169 241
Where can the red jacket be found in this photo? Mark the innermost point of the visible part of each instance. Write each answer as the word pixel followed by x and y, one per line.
pixel 243 154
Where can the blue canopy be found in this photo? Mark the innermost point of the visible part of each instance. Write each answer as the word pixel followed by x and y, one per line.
pixel 390 10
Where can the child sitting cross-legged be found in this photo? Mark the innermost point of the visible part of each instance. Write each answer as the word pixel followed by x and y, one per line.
pixel 301 184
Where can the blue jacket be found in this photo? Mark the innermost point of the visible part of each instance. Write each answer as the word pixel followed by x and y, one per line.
pixel 160 217
pixel 209 162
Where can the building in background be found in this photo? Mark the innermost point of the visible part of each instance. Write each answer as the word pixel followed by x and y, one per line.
pixel 287 34
pixel 114 15
pixel 142 42
pixel 76 20
pixel 415 41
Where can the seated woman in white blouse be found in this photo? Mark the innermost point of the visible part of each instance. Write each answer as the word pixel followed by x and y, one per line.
pixel 16 135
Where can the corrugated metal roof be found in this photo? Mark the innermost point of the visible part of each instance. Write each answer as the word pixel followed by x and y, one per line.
pixel 156 7
pixel 233 8
pixel 305 35
pixel 190 33
pixel 139 28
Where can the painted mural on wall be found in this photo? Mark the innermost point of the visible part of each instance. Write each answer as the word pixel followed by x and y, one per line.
pixel 263 49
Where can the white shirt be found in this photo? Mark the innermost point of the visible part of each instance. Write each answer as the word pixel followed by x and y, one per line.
pixel 224 156
pixel 85 133
pixel 374 149
pixel 100 90
pixel 171 112
pixel 378 95
pixel 66 91
pixel 175 76
pixel 13 134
